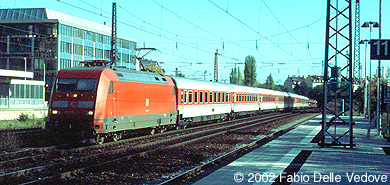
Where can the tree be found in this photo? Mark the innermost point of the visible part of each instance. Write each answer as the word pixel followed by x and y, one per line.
pixel 239 76
pixel 269 83
pixel 250 71
pixel 301 89
pixel 233 76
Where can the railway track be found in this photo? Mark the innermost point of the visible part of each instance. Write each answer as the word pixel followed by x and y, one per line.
pixel 21 130
pixel 51 164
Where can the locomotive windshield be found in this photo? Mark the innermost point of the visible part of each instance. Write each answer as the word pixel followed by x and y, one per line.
pixel 76 85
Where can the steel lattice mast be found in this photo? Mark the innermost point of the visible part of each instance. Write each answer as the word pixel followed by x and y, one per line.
pixel 357 68
pixel 338 86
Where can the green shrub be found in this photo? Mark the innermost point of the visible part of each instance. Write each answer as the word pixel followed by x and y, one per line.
pixel 23 117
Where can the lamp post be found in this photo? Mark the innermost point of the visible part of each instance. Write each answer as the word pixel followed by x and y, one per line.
pixel 365 76
pixel 370 25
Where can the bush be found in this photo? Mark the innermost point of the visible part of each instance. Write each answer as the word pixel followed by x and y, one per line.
pixel 23 117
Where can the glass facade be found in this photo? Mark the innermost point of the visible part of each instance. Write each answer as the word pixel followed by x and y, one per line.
pixel 91 45
pixel 43 43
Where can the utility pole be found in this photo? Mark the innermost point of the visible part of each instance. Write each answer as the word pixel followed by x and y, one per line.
pixel 378 100
pixel 114 49
pixel 216 66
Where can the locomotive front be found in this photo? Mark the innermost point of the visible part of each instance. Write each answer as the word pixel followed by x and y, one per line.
pixel 72 104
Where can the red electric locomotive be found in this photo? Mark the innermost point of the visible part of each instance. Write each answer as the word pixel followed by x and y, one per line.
pixel 96 101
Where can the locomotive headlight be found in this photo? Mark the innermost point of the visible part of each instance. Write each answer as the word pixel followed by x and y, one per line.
pixel 55 112
pixel 89 113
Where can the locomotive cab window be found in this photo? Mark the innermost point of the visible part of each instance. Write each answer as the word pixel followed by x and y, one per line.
pixel 111 90
pixel 76 85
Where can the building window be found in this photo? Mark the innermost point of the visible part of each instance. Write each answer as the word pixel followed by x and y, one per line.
pixel 107 54
pixel 77 49
pixel 106 40
pixel 88 51
pixel 66 47
pixel 88 35
pixel 98 53
pixel 125 58
pixel 65 63
pixel 99 38
pixel 126 44
pixel 76 63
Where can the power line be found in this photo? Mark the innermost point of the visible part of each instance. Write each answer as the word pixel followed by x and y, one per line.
pixel 246 25
pixel 289 33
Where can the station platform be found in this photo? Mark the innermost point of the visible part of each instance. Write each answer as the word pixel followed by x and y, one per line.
pixel 295 158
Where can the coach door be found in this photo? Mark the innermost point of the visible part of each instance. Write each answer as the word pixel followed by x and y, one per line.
pixel 115 102
pixel 112 103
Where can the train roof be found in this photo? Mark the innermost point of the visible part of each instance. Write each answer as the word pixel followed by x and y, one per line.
pixel 128 75
pixel 140 76
pixel 244 89
pixel 185 83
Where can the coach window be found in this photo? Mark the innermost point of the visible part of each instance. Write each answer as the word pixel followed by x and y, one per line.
pixel 205 97
pixel 196 97
pixel 189 96
pixel 223 97
pixel 211 97
pixel 215 97
pixel 227 97
pixel 201 97
pixel 182 96
pixel 185 96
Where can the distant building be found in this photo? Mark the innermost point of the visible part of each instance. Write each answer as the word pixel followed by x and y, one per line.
pixel 43 41
pixel 310 81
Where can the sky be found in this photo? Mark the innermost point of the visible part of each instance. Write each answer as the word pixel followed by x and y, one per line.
pixel 286 37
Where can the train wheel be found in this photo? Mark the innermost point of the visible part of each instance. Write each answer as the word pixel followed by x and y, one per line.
pixel 99 139
pixel 116 137
pixel 163 129
pixel 152 131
